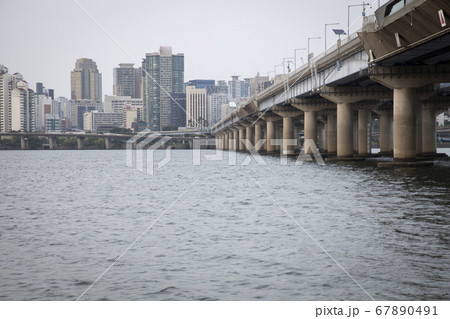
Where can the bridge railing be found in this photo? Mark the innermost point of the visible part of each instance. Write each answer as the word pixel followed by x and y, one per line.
pixel 299 72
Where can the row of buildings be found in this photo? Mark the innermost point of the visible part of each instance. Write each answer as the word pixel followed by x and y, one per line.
pixel 153 96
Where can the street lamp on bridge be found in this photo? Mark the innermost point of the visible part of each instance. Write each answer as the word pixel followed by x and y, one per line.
pixel 326 25
pixel 295 57
pixel 348 13
pixel 309 55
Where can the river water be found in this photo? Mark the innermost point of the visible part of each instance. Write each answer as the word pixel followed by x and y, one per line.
pixel 220 232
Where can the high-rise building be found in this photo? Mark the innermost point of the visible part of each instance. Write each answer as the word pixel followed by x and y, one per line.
pixel 43 107
pixel 95 121
pixel 214 109
pixel 22 107
pixel 222 87
pixel 86 81
pixel 17 107
pixel 41 90
pixel 127 81
pixel 196 107
pixel 178 111
pixel 238 89
pixel 5 99
pixel 162 76
pixel 259 84
pixel 201 84
pixel 79 107
pixel 115 104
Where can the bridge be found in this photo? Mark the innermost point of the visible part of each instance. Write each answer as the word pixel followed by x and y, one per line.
pixel 108 137
pixel 392 68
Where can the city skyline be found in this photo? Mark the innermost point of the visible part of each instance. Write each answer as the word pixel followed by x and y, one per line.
pixel 223 45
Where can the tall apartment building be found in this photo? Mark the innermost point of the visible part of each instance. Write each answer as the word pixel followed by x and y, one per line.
pixel 214 108
pixel 86 81
pixel 79 107
pixel 162 76
pixel 178 111
pixel 43 107
pixel 22 107
pixel 5 99
pixel 196 107
pixel 115 104
pixel 127 81
pixel 17 108
pixel 95 121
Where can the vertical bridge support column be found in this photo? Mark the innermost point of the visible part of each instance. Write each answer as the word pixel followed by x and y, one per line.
pixel 344 130
pixel 270 119
pixel 287 112
pixel 241 145
pixel 310 107
pixel 80 142
pixel 234 141
pixel 248 135
pixel 364 118
pixel 344 97
pixel 405 81
pixel 331 132
pixel 259 133
pixel 428 131
pixel 24 142
pixel 108 143
pixel 51 142
pixel 310 131
pixel 386 141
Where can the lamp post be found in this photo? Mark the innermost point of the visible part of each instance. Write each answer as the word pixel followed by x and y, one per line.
pixel 348 13
pixel 275 71
pixel 295 57
pixel 327 24
pixel 284 63
pixel 309 58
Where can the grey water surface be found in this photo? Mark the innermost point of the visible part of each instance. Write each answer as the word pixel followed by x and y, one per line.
pixel 220 232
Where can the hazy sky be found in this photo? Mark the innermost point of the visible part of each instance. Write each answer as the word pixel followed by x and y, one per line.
pixel 219 38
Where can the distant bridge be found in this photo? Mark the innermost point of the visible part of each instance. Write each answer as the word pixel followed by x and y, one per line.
pixel 108 137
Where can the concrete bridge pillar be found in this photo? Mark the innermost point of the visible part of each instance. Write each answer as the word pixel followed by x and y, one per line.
pixel 51 142
pixel 310 129
pixel 428 131
pixel 331 133
pixel 270 136
pixel 363 122
pixel 410 84
pixel 418 129
pixel 344 97
pixel 108 143
pixel 288 113
pixel 321 136
pixel 241 145
pixel 219 141
pixel 270 131
pixel 249 135
pixel 344 130
pixel 405 123
pixel 80 142
pixel 288 134
pixel 225 140
pixel 386 141
pixel 297 135
pixel 234 145
pixel 259 133
pixel 24 142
